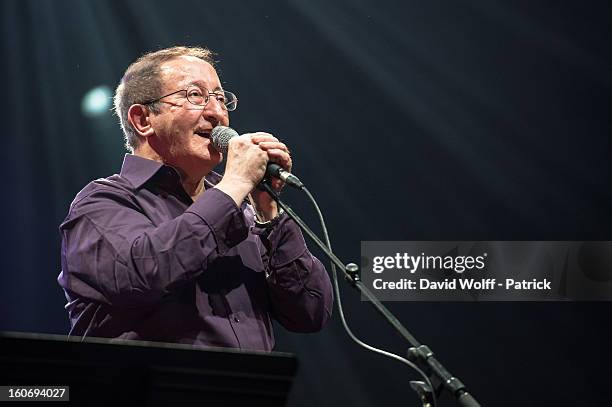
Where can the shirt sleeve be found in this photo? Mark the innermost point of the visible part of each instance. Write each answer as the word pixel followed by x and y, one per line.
pixel 299 287
pixel 113 253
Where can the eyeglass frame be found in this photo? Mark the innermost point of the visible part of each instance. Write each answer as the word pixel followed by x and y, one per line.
pixel 204 90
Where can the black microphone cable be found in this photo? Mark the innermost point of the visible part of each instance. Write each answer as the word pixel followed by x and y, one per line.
pixel 341 311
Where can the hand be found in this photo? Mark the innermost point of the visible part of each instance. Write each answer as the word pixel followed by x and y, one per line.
pixel 247 158
pixel 278 152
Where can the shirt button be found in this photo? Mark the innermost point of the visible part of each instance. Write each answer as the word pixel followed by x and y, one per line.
pixel 236 319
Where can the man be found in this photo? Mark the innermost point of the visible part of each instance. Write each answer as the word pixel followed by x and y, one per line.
pixel 168 250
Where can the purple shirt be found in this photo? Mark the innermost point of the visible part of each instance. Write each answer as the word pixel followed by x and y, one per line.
pixel 142 260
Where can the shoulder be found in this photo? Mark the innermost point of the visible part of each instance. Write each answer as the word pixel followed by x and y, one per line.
pixel 100 192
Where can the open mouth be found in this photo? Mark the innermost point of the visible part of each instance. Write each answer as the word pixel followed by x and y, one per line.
pixel 205 134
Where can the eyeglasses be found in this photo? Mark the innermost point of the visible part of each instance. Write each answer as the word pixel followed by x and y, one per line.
pixel 199 97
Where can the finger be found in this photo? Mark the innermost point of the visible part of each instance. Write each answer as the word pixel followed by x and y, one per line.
pixel 280 157
pixel 269 145
pixel 277 184
pixel 261 137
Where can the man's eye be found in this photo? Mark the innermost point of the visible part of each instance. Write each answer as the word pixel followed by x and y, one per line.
pixel 194 93
pixel 220 97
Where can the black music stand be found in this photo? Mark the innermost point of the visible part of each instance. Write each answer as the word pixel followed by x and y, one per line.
pixel 110 372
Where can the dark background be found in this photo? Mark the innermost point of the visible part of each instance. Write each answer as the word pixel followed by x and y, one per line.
pixel 408 120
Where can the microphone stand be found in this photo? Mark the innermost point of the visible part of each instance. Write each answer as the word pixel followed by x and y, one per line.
pixel 418 353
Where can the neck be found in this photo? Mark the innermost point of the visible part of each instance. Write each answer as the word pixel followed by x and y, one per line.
pixel 192 181
pixel 193 187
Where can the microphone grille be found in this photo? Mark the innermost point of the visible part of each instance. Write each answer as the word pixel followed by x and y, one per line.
pixel 220 137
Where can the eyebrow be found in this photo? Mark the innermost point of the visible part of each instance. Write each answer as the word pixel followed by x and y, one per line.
pixel 201 85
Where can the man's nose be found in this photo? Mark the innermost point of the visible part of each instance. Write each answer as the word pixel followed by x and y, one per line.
pixel 214 111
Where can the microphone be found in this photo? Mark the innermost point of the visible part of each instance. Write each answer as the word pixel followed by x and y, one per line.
pixel 221 136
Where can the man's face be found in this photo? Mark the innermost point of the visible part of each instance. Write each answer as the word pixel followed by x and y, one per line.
pixel 182 130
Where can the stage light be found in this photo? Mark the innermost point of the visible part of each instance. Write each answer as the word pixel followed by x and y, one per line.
pixel 97 101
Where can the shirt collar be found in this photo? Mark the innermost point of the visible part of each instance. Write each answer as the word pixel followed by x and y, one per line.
pixel 138 170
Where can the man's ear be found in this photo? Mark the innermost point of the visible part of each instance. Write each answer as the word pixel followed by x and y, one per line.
pixel 139 118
